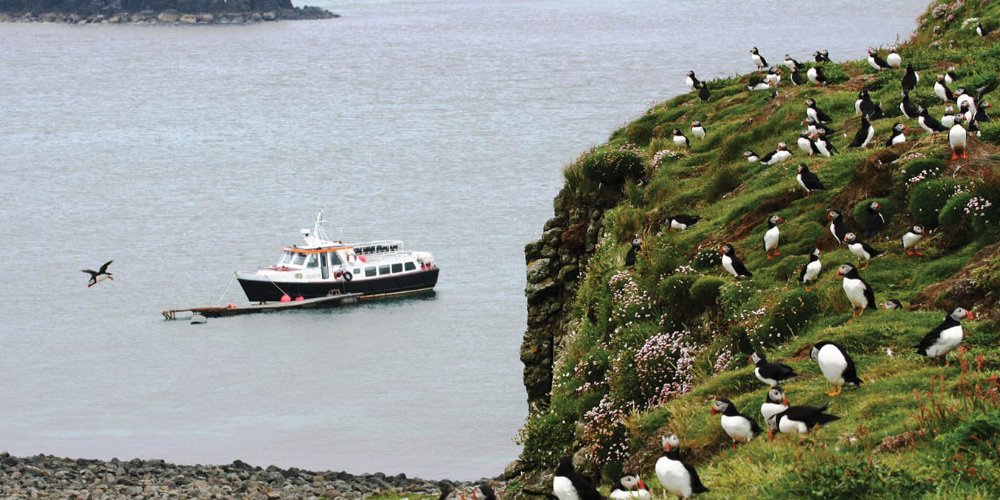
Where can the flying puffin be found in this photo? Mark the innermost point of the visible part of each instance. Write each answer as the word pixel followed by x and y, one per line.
pixel 792 64
pixel 799 419
pixel 837 227
pixel 860 249
pixel 775 402
pixel 770 373
pixel 893 59
pixel 681 221
pixel 632 251
pixel 810 272
pixel 875 222
pixel 680 139
pixel 816 76
pixel 704 93
pixel 568 484
pixel 634 488
pixel 898 135
pixel 910 239
pixel 836 365
pixel 751 156
pixel 812 110
pixel 928 122
pixel 857 290
pixel 738 427
pixel 892 305
pixel 946 336
pixel 806 143
pixel 98 276
pixel 958 139
pixel 697 129
pixel 808 180
pixel 950 76
pixel 910 78
pixel 875 61
pixel 757 59
pixel 732 263
pixel 825 148
pixel 692 81
pixel 909 110
pixel 771 237
pixel 941 90
pixel 780 154
pixel 864 134
pixel 821 56
pixel 676 476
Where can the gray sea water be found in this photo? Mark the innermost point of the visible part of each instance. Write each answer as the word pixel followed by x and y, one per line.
pixel 185 153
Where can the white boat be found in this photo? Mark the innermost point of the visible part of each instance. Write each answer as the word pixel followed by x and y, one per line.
pixel 322 268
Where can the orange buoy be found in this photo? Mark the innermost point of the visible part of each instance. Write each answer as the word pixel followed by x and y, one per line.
pixel 299 298
pixel 230 306
pixel 286 298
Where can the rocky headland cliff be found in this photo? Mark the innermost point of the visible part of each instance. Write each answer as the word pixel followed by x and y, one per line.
pixel 181 12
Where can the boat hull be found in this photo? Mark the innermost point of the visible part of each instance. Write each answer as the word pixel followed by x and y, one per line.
pixel 270 291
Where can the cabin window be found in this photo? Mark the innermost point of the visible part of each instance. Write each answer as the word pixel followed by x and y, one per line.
pixel 383 270
pixel 334 259
pixel 357 271
pixel 313 261
pixel 286 258
pixel 300 258
pixel 369 271
pixel 410 266
pixel 397 268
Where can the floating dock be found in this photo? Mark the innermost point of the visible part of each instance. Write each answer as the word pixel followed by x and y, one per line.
pixel 234 310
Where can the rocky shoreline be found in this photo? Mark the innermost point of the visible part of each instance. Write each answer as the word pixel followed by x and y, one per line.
pixel 46 476
pixel 171 17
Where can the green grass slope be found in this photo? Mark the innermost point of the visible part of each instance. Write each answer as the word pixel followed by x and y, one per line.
pixel 652 345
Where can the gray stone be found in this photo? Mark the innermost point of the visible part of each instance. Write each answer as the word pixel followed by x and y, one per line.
pixel 538 270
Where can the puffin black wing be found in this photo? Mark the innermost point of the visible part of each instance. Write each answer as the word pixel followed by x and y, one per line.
pixel 934 335
pixel 810 415
pixel 823 117
pixel 870 251
pixel 869 295
pixel 874 224
pixel 741 269
pixel 93 274
pixel 767 157
pixel 584 488
pixel 686 219
pixel 104 268
pixel 812 181
pixel 703 92
pixel 985 89
pixel 862 135
pixel 696 485
pixel 777 371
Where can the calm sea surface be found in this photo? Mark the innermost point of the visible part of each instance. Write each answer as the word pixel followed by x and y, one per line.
pixel 185 153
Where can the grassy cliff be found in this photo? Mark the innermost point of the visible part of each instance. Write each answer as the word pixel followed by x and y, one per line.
pixel 640 352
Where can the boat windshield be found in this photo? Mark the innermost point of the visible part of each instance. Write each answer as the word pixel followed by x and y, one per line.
pixel 300 258
pixel 286 258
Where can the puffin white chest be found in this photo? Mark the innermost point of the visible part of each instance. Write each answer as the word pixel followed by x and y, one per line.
pixel 948 340
pixel 780 156
pixel 832 363
pixel 787 425
pixel 805 145
pixel 910 239
pixel 737 427
pixel 680 140
pixel 957 136
pixel 812 271
pixel 727 264
pixel 768 409
pixel 677 225
pixel 698 132
pixel 674 477
pixel 771 237
pixel 855 290
pixel 798 177
pixel 899 139
pixel 859 250
pixel 563 488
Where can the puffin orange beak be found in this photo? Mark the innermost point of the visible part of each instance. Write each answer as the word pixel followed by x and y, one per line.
pixel 970 315
pixel 667 447
pixel 784 400
pixel 712 411
pixel 642 485
pixel 722 251
pixel 829 217
pixel 839 275
pixel 781 219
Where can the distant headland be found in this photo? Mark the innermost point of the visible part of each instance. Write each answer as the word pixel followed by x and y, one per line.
pixel 181 12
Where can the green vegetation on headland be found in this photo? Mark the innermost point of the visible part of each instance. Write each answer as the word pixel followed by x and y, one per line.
pixel 156 11
pixel 617 357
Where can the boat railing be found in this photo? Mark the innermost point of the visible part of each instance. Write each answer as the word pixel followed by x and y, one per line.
pixel 378 247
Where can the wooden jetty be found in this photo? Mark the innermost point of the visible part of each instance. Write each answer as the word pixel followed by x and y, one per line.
pixel 234 310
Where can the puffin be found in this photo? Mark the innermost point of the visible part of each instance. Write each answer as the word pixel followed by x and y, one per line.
pixel 483 492
pixel 864 100
pixel 774 402
pixel 894 59
pixel 892 305
pixel 941 90
pixel 692 81
pixel 751 156
pixel 961 95
pixel 796 77
pixel 732 264
pixel 798 419
pixel 981 30
pixel 632 251
pixel 860 249
pixel 910 78
pixel 773 76
pixel 806 143
pixel 697 129
pixel 928 122
pixel 792 64
pixel 757 59
pixel 813 126
pixel 950 76
pixel 816 76
pixel 864 134
pixel 981 115
pixel 759 84
pixel 770 373
pixel 836 365
pixel 738 426
pixel 908 108
pixel 703 93
pixel 780 154
pixel 875 61
pixel 810 272
pixel 837 227
pixel 634 488
pixel 825 148
pixel 676 476
pixel 772 236
pixel 946 336
pixel 821 56
pixel 967 113
pixel 812 110
pixel 898 135
pixel 948 118
pixel 680 139
pixel 681 221
pixel 958 138
pixel 858 291
pixel 568 484
pixel 910 239
pixel 875 222
pixel 99 275
pixel 808 180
